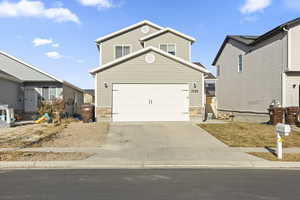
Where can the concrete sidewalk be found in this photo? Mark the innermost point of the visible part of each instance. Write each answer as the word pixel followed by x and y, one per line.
pixel 157 145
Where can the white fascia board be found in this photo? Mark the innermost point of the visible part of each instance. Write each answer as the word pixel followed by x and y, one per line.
pixel 127 57
pixel 31 66
pixel 168 30
pixel 99 40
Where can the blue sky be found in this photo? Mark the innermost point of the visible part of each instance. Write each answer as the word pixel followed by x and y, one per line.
pixel 58 36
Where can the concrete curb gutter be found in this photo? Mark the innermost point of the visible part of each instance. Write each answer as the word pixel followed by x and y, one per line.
pixel 145 165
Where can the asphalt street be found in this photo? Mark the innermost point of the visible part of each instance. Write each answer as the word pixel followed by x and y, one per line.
pixel 183 184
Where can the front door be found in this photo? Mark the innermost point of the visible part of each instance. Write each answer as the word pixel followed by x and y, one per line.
pixel 30 100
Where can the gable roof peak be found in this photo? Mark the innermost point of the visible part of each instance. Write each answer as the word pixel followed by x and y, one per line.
pixel 126 29
pixel 167 29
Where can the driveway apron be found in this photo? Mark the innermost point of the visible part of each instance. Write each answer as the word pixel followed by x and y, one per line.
pixel 165 142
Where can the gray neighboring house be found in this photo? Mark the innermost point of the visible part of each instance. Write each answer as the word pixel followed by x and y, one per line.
pixel 254 70
pixel 23 87
pixel 146 74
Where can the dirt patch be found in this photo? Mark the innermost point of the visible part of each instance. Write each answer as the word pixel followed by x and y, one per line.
pixel 28 135
pixel 287 157
pixel 79 134
pixel 239 134
pixel 42 156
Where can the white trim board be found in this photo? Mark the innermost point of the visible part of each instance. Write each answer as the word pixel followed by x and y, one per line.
pixel 145 22
pixel 142 51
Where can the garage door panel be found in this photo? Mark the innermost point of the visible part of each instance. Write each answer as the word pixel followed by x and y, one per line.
pixel 150 102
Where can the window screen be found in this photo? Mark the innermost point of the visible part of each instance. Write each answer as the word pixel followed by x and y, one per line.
pixel 52 93
pixel 45 93
pixel 122 50
pixel 170 48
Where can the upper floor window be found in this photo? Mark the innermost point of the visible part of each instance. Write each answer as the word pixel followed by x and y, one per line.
pixel 121 50
pixel 240 68
pixel 170 48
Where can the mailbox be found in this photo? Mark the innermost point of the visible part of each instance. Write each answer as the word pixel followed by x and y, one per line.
pixel 283 129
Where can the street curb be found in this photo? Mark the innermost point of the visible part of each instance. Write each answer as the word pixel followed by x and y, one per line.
pixel 144 165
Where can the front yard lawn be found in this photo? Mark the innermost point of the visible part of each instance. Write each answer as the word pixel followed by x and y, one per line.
pixel 240 134
pixel 287 157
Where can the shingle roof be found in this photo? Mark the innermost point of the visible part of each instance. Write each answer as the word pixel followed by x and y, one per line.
pixel 210 76
pixel 246 39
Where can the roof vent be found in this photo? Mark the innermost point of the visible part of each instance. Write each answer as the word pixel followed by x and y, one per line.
pixel 150 58
pixel 145 29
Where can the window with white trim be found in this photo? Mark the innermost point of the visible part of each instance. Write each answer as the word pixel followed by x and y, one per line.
pixel 49 93
pixel 170 48
pixel 121 50
pixel 240 66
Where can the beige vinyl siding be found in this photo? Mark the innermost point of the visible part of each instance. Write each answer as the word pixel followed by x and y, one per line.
pixel 259 83
pixel 182 45
pixel 294 48
pixel 136 70
pixel 130 38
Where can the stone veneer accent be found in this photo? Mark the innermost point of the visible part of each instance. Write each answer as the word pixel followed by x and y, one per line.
pixel 196 113
pixel 104 114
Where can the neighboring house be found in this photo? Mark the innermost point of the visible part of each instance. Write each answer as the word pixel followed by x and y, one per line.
pixel 89 96
pixel 23 87
pixel 254 70
pixel 209 82
pixel 146 74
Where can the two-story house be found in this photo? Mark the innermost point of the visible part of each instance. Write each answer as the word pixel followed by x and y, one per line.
pixel 146 74
pixel 252 71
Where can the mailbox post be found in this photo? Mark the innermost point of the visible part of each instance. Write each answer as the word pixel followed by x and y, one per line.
pixel 281 130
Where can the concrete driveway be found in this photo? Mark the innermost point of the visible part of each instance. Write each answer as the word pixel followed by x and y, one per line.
pixel 178 142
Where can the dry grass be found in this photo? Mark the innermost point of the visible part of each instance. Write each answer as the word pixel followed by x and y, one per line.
pixel 42 156
pixel 239 134
pixel 29 135
pixel 288 157
pixel 79 135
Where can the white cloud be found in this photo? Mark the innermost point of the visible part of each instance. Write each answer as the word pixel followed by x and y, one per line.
pixel 251 6
pixel 41 41
pixel 27 8
pixel 55 45
pixel 53 55
pixel 97 3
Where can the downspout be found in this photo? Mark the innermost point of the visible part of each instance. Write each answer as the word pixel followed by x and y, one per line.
pixel 285 67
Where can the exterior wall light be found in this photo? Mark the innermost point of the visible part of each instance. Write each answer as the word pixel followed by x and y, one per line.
pixel 195 85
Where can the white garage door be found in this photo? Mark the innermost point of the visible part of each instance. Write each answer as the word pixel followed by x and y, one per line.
pixel 150 102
